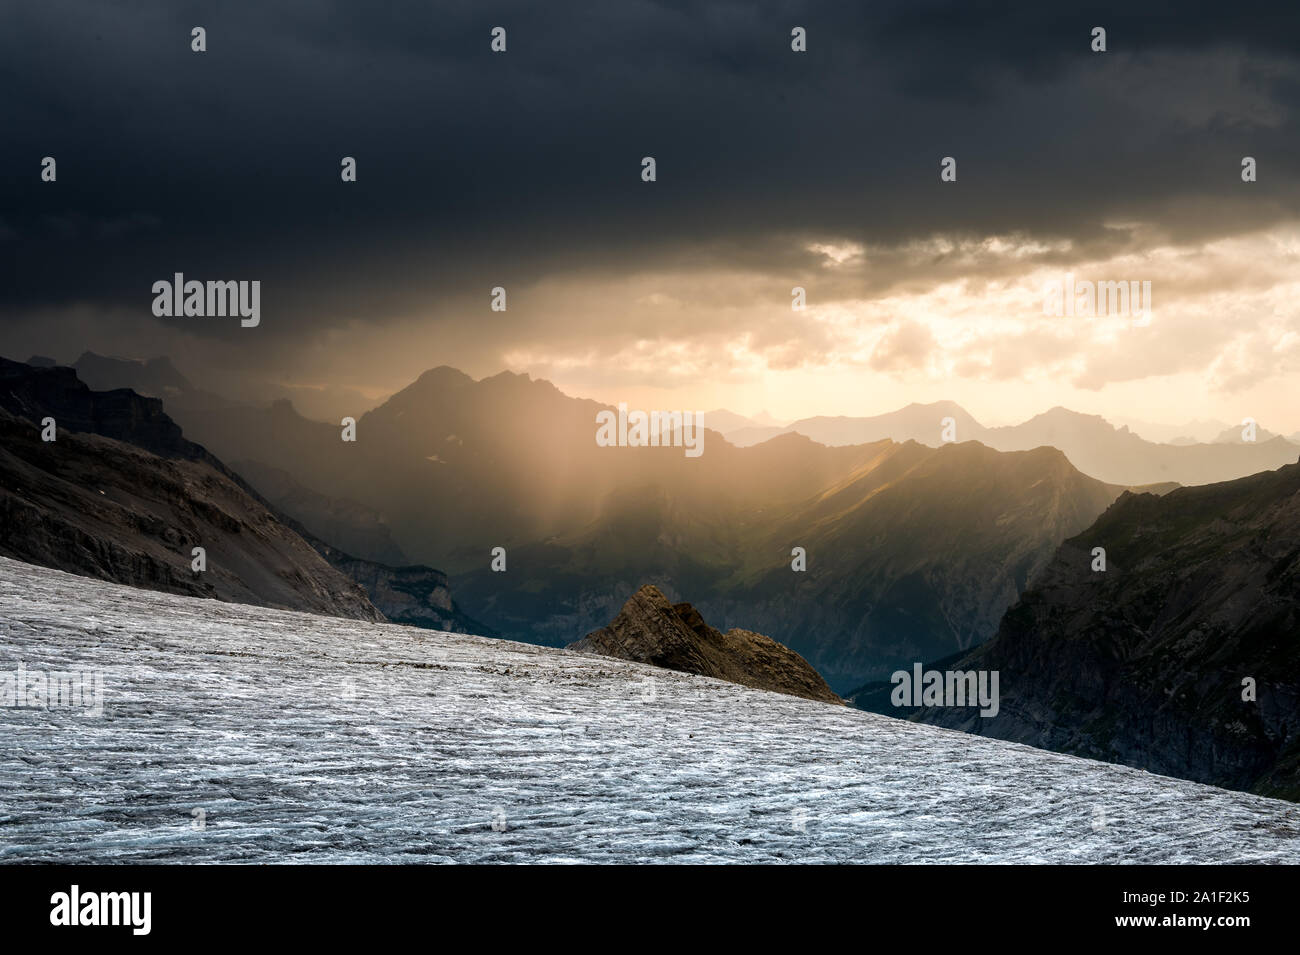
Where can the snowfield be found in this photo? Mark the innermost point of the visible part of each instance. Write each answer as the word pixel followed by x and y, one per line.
pixel 237 734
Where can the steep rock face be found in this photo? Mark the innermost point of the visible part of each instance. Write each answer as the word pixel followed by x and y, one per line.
pixel 1144 663
pixel 121 495
pixel 103 508
pixel 916 556
pixel 651 630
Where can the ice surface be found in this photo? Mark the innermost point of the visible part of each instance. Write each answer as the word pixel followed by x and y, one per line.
pixel 315 739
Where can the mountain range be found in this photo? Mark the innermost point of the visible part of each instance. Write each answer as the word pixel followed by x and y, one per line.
pixel 910 550
pixel 1091 443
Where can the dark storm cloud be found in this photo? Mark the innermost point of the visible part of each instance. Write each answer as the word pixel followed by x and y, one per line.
pixel 479 169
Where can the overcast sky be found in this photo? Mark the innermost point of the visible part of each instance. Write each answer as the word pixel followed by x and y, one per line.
pixel 775 169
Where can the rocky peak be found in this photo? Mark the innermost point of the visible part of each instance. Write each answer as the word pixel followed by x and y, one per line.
pixel 651 630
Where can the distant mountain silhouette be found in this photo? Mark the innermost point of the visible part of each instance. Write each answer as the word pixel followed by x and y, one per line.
pixel 156 377
pixel 916 422
pixel 1235 435
pixel 1188 432
pixel 1092 444
pixel 726 422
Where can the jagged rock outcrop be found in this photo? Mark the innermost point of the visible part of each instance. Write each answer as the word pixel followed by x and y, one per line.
pixel 1146 663
pixel 651 630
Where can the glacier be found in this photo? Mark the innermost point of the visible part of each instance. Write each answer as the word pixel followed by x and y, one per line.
pixel 238 734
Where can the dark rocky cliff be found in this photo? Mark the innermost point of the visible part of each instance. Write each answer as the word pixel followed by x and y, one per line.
pixel 1144 663
pixel 121 495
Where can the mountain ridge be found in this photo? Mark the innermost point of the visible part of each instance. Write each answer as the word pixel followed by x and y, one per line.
pixel 458 467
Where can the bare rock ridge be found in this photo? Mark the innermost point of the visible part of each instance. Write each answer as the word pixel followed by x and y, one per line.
pixel 651 630
pixel 122 496
pixel 1092 444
